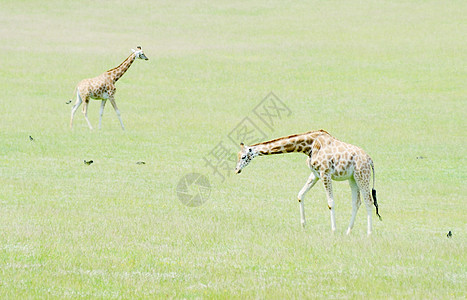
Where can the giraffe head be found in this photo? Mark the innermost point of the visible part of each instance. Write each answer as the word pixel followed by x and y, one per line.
pixel 139 53
pixel 245 155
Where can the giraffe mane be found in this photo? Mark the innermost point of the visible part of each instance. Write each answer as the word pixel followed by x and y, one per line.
pixel 292 136
pixel 119 64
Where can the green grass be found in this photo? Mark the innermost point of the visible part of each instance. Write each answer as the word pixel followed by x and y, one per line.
pixel 388 76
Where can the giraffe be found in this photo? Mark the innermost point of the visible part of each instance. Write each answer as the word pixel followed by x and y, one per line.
pixel 103 88
pixel 329 159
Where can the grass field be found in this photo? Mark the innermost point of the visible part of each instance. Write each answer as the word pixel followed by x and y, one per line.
pixel 388 76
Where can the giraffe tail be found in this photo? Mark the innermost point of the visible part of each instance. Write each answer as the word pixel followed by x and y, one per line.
pixel 74 93
pixel 373 192
pixel 375 202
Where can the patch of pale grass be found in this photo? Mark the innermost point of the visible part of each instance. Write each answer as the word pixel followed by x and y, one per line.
pixel 388 77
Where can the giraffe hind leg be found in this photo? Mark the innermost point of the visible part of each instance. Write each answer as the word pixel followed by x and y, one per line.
pixel 355 203
pixel 362 178
pixel 85 112
pixel 367 198
pixel 75 108
pixel 328 186
pixel 365 192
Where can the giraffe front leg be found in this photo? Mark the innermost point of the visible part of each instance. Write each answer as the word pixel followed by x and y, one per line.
pixel 101 112
pixel 308 185
pixel 112 101
pixel 355 203
pixel 328 186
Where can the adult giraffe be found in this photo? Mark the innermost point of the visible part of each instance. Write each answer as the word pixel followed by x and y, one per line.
pixel 103 88
pixel 328 159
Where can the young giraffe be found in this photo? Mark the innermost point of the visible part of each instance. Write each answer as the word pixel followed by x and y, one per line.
pixel 102 88
pixel 328 159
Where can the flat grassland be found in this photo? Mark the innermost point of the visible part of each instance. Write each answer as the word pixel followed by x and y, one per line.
pixel 388 76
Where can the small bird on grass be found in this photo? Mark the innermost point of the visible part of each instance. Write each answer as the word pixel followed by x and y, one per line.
pixel 88 162
pixel 31 138
pixel 140 163
pixel 449 235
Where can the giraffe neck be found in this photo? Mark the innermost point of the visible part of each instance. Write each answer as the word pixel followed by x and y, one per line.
pixel 117 72
pixel 293 143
